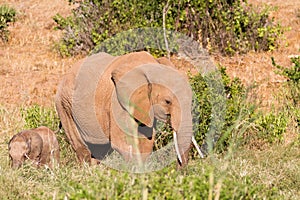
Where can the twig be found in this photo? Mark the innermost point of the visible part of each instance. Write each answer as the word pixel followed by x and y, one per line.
pixel 165 10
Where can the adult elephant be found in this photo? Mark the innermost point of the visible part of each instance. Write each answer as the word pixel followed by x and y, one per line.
pixel 106 102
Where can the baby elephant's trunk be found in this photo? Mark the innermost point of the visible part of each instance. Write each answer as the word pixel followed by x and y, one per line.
pixel 15 164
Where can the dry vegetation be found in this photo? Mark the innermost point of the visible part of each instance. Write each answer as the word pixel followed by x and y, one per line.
pixel 29 66
pixel 30 70
pixel 256 67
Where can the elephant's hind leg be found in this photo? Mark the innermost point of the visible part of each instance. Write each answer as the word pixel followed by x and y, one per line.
pixel 81 150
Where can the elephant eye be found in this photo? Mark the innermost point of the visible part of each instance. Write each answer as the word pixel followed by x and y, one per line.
pixel 168 102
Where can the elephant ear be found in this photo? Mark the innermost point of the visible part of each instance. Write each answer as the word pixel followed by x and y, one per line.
pixel 133 91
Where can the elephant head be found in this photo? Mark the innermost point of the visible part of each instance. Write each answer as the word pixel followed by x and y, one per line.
pixel 156 91
pixel 24 145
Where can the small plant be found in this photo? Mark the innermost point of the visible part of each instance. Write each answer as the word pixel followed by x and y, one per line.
pixel 36 116
pixel 292 73
pixel 7 15
pixel 271 127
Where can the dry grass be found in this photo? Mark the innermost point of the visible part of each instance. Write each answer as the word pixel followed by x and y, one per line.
pixel 10 122
pixel 255 68
pixel 277 167
pixel 29 66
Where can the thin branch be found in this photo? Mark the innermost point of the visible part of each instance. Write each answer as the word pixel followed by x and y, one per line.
pixel 165 10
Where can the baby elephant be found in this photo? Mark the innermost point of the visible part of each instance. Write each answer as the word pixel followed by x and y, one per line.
pixel 39 145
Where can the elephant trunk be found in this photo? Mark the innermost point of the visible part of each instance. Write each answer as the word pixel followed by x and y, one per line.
pixel 184 137
pixel 183 128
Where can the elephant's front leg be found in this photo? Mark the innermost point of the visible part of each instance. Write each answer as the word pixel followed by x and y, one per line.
pixel 146 137
pixel 134 145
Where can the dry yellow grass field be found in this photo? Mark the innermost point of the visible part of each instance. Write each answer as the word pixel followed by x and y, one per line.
pixel 29 66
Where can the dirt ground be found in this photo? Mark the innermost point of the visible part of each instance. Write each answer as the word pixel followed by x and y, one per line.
pixel 255 68
pixel 30 68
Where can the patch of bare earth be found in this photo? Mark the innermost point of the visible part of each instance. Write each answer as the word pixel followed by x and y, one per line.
pixel 255 68
pixel 29 66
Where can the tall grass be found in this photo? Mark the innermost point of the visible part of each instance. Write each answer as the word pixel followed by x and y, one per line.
pixel 243 179
pixel 238 173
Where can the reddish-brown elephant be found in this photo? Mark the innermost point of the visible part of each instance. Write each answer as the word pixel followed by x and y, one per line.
pixel 106 102
pixel 39 145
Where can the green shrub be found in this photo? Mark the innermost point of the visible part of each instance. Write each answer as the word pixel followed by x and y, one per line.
pixel 35 116
pixel 292 87
pixel 7 15
pixel 225 26
pixel 293 72
pixel 271 127
pixel 209 100
pixel 231 104
pixel 149 39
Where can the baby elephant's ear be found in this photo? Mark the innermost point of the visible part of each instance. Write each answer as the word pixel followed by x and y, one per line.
pixel 35 143
pixel 133 92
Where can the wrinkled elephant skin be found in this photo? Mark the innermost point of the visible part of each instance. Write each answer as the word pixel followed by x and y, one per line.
pixel 39 145
pixel 106 102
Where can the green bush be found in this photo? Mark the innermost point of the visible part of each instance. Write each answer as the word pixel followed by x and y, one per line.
pixel 209 100
pixel 271 127
pixel 35 116
pixel 150 39
pixel 226 26
pixel 292 74
pixel 7 15
pixel 229 104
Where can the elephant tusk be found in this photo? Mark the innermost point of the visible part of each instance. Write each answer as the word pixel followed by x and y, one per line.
pixel 197 147
pixel 176 146
pixel 26 156
pixel 130 151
